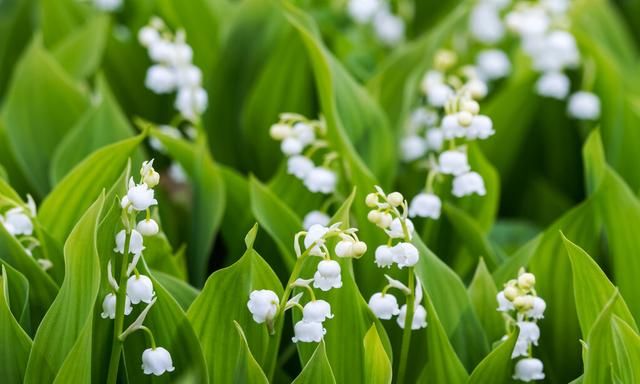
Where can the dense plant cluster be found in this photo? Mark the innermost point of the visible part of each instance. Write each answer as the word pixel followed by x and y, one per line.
pixel 319 191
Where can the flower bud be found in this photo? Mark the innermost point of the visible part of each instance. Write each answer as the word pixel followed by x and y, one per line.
pixel 444 59
pixel 465 118
pixel 511 292
pixel 471 106
pixel 523 303
pixel 156 361
pixel 280 131
pixel 385 220
pixel 359 248
pixel 374 216
pixel 526 281
pixel 372 200
pixel 395 198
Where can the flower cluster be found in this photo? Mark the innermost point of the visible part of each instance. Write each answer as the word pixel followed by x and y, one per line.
pixel 389 29
pixel 173 70
pixel 389 212
pixel 132 287
pixel 301 139
pixel 519 298
pixel 18 222
pixel 265 306
pixel 542 30
pixel 450 120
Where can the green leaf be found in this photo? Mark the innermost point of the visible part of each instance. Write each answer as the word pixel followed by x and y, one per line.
pixel 592 289
pixel 377 365
pixel 497 367
pixel 80 53
pixel 222 301
pixel 16 344
pixel 100 125
pixel 247 369
pixel 71 314
pixel 208 200
pixel 16 289
pixel 627 347
pixel 82 185
pixel 55 103
pixel 184 293
pixel 599 357
pixel 317 369
pixel 483 292
pixel 277 219
pixel 60 18
pixel 443 365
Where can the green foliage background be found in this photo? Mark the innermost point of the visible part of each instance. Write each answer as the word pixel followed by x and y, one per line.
pixel 562 196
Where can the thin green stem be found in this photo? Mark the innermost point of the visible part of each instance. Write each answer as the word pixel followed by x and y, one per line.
pixel 406 333
pixel 116 345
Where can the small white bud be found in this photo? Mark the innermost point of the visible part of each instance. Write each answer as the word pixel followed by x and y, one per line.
pixel 395 199
pixel 147 227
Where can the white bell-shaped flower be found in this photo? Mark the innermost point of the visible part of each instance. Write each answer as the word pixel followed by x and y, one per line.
pixel 191 102
pixel 481 127
pixel 438 94
pixel 304 132
pixel 504 305
pixel 17 222
pixel 431 79
pixel 156 361
pixel 529 370
pixel 315 217
pixel 451 127
pixel 147 227
pixel 291 146
pixel 148 35
pixel 435 138
pixel 162 51
pixel 405 255
pixel 299 166
pixel 109 306
pixel 183 52
pixel 388 27
pixel 537 310
pixel 384 305
pixel 396 230
pixel 529 331
pixel 493 64
pixel 160 79
pixel 384 256
pixel 263 305
pixel 584 106
pixel 553 84
pixel 135 243
pixel 412 148
pixel 419 320
pixel 328 275
pixel 140 288
pixel 453 162
pixel 425 205
pixel 188 76
pixel 321 179
pixel 362 11
pixel 316 311
pixel 140 197
pixel 308 332
pixel 315 235
pixel 468 184
pixel 485 24
pixel 107 5
pixel 528 21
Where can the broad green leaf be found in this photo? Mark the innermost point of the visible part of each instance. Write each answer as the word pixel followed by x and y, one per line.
pixel 100 125
pixel 80 53
pixel 483 292
pixel 14 173
pixel 277 219
pixel 443 365
pixel 55 103
pixel 449 297
pixel 317 369
pixel 222 301
pixel 237 219
pixel 180 290
pixel 600 357
pixel 60 18
pixel 16 290
pixel 627 347
pixel 247 369
pixel 16 344
pixel 497 367
pixel 377 365
pixel 65 323
pixel 592 289
pixel 77 190
pixel 208 199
